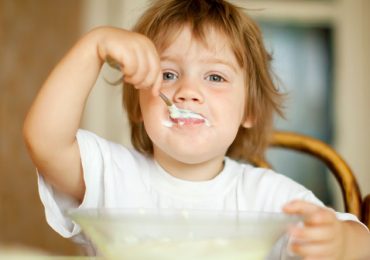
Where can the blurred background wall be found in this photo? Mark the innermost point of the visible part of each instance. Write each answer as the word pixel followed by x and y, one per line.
pixel 34 35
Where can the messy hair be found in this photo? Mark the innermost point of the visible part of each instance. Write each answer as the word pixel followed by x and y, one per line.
pixel 164 20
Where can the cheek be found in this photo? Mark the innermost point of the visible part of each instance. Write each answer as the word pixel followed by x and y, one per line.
pixel 146 101
pixel 233 108
pixel 151 111
pixel 240 100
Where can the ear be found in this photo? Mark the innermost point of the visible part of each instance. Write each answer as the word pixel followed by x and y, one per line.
pixel 248 122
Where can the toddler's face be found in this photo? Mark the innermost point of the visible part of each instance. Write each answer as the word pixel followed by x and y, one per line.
pixel 206 80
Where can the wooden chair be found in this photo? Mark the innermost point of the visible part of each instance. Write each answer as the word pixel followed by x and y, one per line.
pixel 353 201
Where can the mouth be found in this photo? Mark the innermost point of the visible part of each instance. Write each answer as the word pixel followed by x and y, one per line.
pixel 183 118
pixel 182 121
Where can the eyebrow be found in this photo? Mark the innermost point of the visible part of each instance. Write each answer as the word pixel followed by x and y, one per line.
pixel 207 60
pixel 219 61
pixel 168 58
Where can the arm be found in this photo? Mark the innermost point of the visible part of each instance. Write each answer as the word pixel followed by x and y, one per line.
pixel 323 236
pixel 53 120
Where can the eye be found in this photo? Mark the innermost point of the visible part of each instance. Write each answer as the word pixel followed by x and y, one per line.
pixel 216 78
pixel 169 76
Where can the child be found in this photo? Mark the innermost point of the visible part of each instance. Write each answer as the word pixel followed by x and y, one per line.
pixel 207 57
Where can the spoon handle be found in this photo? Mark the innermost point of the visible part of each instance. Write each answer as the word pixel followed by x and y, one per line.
pixel 165 99
pixel 114 64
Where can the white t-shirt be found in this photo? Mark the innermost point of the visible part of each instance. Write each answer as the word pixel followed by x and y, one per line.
pixel 118 177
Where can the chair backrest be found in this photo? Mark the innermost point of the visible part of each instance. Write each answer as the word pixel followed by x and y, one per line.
pixel 346 179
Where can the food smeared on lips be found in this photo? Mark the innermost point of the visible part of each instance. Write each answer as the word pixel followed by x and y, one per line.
pixel 185 117
pixel 188 121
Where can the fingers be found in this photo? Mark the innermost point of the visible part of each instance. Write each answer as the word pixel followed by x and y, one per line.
pixel 154 75
pixel 144 69
pixel 300 207
pixel 312 214
pixel 320 237
pixel 136 55
pixel 135 67
pixel 312 234
pixel 157 85
pixel 313 250
pixel 314 242
pixel 142 66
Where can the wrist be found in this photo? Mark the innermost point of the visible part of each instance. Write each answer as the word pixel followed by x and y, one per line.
pixel 93 43
pixel 356 241
pixel 100 37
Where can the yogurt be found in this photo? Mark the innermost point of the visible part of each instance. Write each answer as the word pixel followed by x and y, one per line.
pixel 181 117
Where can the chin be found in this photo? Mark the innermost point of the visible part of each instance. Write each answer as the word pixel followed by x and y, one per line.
pixel 191 151
pixel 191 160
pixel 192 157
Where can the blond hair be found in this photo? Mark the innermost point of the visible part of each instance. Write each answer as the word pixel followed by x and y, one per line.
pixel 164 20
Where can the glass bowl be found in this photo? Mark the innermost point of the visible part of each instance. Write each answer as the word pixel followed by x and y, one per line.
pixel 182 234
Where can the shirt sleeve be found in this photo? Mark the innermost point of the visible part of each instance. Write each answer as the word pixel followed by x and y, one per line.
pixel 57 204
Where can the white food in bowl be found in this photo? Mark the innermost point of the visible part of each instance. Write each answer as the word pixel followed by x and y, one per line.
pixel 179 234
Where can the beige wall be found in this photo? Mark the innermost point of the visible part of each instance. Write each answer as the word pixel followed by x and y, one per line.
pixel 33 37
pixel 352 87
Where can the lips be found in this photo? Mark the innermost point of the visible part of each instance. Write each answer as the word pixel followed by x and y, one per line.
pixel 187 121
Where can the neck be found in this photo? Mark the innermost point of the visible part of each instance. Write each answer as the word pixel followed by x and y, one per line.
pixel 202 171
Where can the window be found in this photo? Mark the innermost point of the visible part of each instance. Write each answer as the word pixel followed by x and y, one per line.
pixel 302 61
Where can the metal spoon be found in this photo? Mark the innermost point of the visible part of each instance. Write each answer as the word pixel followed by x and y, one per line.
pixel 115 65
pixel 175 112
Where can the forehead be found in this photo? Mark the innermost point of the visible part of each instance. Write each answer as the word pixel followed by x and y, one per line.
pixel 185 41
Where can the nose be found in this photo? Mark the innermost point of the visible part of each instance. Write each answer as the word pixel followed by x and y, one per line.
pixel 188 92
